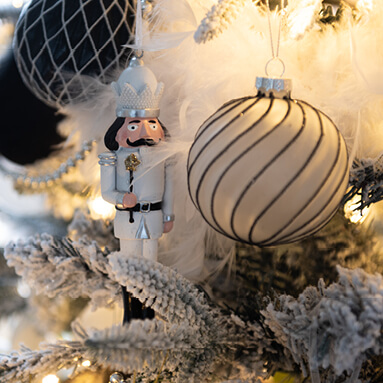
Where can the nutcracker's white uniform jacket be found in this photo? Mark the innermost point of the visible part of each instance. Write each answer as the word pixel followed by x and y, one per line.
pixel 151 184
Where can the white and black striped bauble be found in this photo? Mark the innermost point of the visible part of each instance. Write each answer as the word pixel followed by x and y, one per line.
pixel 267 171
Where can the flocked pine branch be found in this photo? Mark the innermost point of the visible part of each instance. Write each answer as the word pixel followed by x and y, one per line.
pixel 10 299
pixel 152 346
pixel 366 181
pixel 23 366
pixel 167 292
pixel 61 267
pixel 144 347
pixel 99 230
pixel 315 331
pixel 182 350
pixel 142 342
pixel 218 19
pixel 331 329
pixel 222 336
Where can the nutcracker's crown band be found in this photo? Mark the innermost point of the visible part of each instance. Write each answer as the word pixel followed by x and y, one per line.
pixel 137 91
pixel 274 87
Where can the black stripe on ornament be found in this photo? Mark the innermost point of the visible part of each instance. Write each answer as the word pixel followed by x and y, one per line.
pixel 295 177
pixel 254 179
pixel 312 198
pixel 232 163
pixel 304 235
pixel 222 152
pixel 238 115
pixel 224 127
pixel 216 116
pixel 317 228
pixel 285 239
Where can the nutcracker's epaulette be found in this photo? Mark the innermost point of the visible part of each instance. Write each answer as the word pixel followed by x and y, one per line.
pixel 107 159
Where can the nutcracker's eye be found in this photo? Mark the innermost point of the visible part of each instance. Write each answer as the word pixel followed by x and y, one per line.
pixel 132 127
pixel 153 124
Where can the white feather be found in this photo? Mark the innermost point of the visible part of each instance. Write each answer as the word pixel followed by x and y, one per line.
pixel 301 16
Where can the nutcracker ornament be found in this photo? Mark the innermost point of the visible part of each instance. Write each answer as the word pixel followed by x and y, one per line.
pixel 132 177
pixel 268 169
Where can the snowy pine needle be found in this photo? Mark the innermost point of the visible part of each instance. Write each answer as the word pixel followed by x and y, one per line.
pixel 328 331
pixel 331 327
pixel 218 19
pixel 54 267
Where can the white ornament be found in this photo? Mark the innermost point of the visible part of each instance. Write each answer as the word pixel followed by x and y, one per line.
pixel 266 170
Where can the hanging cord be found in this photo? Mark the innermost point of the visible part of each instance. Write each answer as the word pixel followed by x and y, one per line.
pixel 139 35
pixel 275 53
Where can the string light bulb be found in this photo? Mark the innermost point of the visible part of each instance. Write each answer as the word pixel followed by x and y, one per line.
pixel 23 289
pixel 354 214
pixel 99 208
pixel 17 3
pixel 86 363
pixel 51 378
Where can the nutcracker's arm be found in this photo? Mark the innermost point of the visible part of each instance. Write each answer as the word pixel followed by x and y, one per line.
pixel 168 197
pixel 109 193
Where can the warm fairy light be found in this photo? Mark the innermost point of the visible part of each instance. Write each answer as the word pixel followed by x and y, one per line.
pixel 51 379
pixel 99 208
pixel 365 4
pixel 17 3
pixel 86 363
pixel 361 4
pixel 353 214
pixel 23 289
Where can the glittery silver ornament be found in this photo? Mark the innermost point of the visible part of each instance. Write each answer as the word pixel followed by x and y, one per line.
pixel 116 377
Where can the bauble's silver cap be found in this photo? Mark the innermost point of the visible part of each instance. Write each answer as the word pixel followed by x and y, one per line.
pixel 274 87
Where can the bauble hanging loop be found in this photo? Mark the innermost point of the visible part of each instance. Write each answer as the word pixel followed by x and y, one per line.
pixel 267 169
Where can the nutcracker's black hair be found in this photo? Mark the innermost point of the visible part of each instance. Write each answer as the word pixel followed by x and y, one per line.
pixel 110 136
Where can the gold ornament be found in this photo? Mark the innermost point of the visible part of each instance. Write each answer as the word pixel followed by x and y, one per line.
pixel 131 162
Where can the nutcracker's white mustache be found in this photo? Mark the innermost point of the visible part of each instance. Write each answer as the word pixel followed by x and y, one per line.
pixel 142 142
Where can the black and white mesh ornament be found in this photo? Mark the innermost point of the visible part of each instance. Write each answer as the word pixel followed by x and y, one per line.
pixel 59 41
pixel 267 169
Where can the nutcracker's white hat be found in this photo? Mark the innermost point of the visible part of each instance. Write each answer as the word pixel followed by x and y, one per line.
pixel 137 91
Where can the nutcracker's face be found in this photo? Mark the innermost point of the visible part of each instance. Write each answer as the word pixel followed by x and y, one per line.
pixel 139 132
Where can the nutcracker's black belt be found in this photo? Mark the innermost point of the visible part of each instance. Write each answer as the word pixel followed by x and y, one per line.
pixel 143 207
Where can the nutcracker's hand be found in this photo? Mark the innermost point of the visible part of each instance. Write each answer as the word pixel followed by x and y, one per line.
pixel 129 200
pixel 168 226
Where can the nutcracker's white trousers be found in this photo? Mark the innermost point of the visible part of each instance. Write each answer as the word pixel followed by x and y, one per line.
pixel 147 248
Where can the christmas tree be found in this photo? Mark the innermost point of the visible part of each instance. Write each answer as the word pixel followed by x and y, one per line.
pixel 272 271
